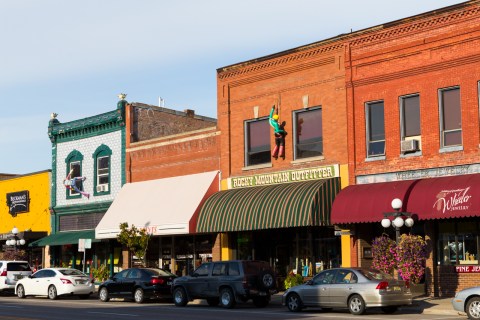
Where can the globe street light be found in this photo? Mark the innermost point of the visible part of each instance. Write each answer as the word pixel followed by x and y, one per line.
pixel 399 218
pixel 15 241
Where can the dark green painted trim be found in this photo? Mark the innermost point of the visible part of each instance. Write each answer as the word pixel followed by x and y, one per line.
pixel 123 164
pixel 73 156
pixel 53 183
pixel 102 151
pixel 86 127
pixel 94 207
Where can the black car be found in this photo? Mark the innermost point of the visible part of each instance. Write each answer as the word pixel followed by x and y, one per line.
pixel 226 282
pixel 137 284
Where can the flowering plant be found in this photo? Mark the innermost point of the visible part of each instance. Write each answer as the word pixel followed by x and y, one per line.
pixel 411 256
pixel 408 256
pixel 384 254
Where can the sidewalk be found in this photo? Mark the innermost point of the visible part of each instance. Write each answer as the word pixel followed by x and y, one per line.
pixel 420 305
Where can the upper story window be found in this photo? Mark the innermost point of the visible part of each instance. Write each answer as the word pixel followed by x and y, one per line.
pixel 102 167
pixel 74 168
pixel 410 123
pixel 450 117
pixel 308 130
pixel 257 142
pixel 375 129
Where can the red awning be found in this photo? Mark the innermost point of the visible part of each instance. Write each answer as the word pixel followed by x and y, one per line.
pixel 368 202
pixel 446 197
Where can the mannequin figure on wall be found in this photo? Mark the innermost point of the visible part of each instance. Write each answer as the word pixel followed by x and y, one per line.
pixel 279 133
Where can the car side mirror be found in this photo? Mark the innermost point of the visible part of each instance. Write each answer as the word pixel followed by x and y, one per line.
pixel 309 282
pixel 31 276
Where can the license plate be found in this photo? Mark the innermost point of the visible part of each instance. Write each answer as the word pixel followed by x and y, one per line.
pixel 262 293
pixel 169 283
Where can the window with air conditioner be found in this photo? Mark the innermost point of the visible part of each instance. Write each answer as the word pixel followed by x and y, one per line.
pixel 410 123
pixel 102 160
pixel 375 129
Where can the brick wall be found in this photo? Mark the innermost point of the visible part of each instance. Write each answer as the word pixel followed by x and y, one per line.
pixel 283 81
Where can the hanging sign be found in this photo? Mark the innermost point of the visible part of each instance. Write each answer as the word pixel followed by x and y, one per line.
pixel 18 202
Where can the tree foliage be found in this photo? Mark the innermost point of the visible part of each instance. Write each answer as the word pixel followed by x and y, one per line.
pixel 135 239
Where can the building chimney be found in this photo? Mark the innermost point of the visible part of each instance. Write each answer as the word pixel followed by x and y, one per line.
pixel 190 113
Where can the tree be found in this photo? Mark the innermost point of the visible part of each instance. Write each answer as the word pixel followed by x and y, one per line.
pixel 136 240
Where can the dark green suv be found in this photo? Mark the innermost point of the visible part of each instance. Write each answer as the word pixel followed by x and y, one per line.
pixel 226 282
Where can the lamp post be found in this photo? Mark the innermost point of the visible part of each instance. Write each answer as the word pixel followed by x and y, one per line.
pixel 16 241
pixel 399 218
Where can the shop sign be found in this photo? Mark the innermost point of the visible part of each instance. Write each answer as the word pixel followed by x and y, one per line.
pixel 343 233
pixel 467 269
pixel 18 202
pixel 453 200
pixel 305 174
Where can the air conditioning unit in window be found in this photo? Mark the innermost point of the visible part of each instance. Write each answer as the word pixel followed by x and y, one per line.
pixel 102 188
pixel 409 145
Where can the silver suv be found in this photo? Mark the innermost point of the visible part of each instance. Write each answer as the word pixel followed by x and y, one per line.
pixel 11 272
pixel 226 282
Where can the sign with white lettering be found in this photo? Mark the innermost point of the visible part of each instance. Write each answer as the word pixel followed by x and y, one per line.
pixel 453 200
pixel 305 174
pixel 18 202
pixel 467 269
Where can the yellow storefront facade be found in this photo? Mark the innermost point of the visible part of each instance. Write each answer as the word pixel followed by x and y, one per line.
pixel 24 214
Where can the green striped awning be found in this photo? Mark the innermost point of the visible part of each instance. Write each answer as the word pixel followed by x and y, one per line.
pixel 296 204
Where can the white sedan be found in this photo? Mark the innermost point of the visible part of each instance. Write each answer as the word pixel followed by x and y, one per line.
pixel 54 282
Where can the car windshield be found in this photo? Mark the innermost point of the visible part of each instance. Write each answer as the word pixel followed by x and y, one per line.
pixel 71 272
pixel 375 275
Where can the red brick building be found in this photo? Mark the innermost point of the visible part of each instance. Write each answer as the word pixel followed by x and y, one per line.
pixel 413 133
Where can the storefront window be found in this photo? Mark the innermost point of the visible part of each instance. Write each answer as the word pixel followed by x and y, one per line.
pixel 458 243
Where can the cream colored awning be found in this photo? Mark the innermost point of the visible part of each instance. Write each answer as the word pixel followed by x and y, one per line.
pixel 163 207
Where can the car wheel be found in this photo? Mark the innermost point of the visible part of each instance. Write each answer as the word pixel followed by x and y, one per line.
pixel 294 303
pixel 356 305
pixel 389 310
pixel 261 302
pixel 21 292
pixel 52 293
pixel 84 296
pixel 266 280
pixel 213 302
pixel 473 308
pixel 227 299
pixel 180 297
pixel 139 296
pixel 103 295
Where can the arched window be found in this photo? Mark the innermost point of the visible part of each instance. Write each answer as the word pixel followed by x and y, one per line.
pixel 74 167
pixel 102 165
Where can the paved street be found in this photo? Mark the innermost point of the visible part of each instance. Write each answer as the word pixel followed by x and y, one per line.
pixel 41 308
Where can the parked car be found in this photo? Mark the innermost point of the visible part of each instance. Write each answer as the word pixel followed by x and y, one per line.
pixel 352 288
pixel 137 284
pixel 224 282
pixel 468 301
pixel 55 282
pixel 11 272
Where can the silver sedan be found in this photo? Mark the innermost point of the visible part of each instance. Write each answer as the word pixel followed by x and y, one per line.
pixel 352 288
pixel 468 300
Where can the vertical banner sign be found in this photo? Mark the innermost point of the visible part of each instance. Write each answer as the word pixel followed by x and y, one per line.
pixel 82 245
pixel 18 202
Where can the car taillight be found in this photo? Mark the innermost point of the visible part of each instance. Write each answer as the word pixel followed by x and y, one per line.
pixel 154 281
pixel 4 273
pixel 66 281
pixel 382 285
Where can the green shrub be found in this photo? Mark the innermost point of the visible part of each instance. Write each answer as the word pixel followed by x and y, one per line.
pixel 293 280
pixel 101 273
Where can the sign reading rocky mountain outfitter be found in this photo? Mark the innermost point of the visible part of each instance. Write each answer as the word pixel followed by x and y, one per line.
pixel 18 202
pixel 299 175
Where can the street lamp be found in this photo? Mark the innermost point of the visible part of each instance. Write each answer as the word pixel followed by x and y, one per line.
pixel 399 218
pixel 16 241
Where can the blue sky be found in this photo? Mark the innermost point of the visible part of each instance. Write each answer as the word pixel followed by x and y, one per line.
pixel 75 57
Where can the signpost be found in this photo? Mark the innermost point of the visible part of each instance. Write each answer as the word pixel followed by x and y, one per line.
pixel 82 245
